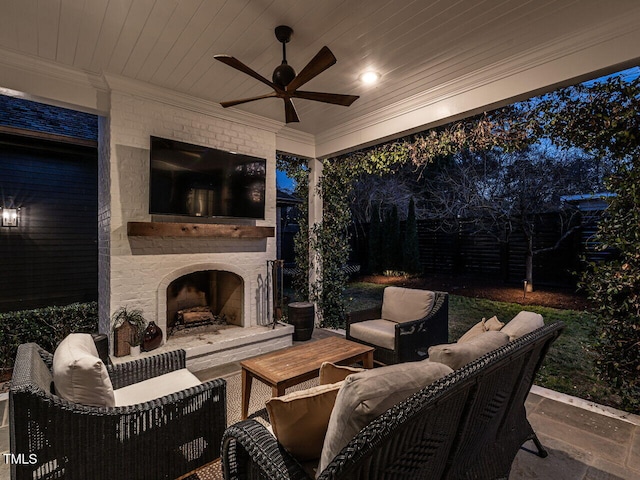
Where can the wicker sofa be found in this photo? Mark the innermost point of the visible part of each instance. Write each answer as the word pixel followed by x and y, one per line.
pixel 399 336
pixel 158 439
pixel 469 424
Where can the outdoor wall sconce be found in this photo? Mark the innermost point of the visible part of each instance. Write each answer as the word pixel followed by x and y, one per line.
pixel 10 217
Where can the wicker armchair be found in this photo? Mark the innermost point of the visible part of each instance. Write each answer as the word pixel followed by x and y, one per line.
pixel 411 339
pixel 469 424
pixel 160 439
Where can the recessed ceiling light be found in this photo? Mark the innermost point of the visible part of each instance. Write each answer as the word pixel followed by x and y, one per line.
pixel 370 77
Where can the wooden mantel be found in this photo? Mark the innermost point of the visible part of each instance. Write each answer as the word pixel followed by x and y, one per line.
pixel 167 229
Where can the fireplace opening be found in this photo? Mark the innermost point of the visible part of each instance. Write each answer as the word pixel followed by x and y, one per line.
pixel 204 298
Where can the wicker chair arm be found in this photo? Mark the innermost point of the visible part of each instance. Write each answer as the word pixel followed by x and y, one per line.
pixel 163 403
pixel 363 315
pixel 249 450
pixel 144 368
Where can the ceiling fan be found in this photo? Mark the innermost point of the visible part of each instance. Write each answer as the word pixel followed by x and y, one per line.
pixel 285 82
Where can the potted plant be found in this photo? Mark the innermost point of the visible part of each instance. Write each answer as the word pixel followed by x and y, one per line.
pixel 136 322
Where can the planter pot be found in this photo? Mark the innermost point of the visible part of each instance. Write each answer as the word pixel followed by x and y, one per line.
pixel 302 317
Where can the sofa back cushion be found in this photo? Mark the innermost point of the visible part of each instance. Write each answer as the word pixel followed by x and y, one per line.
pixel 406 304
pixel 79 375
pixel 366 395
pixel 457 355
pixel 300 419
pixel 523 323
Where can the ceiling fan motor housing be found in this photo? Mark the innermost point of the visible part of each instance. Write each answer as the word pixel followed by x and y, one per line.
pixel 283 74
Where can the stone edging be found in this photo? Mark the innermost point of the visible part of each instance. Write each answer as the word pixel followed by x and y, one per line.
pixel 586 405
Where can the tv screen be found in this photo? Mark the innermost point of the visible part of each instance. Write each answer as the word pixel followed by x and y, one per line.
pixel 205 182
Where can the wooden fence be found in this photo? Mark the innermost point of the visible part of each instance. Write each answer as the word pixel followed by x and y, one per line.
pixel 469 252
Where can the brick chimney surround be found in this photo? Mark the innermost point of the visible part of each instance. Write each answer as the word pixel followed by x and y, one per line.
pixel 136 269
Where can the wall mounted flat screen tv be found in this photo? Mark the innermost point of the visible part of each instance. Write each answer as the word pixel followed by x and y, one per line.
pixel 205 182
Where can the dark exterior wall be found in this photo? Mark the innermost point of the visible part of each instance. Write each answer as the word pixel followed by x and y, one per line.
pixel 51 257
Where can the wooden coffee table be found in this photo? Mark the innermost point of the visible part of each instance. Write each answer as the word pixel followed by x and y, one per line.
pixel 290 366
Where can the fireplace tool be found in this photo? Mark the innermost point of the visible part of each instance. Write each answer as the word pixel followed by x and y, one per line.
pixel 275 283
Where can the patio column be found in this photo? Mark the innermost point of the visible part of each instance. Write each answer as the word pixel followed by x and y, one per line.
pixel 315 217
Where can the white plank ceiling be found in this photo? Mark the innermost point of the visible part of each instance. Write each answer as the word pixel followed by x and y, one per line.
pixel 416 45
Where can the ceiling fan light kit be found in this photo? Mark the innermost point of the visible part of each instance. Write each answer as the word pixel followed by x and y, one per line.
pixel 285 82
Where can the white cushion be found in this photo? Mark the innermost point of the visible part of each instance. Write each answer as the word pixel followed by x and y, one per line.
pixel 368 394
pixel 457 355
pixel 406 304
pixel 523 323
pixel 155 387
pixel 376 332
pixel 79 375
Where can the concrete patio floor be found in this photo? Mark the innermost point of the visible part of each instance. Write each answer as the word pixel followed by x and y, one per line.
pixel 585 441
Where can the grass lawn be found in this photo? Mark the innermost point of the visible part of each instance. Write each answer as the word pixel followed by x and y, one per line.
pixel 569 366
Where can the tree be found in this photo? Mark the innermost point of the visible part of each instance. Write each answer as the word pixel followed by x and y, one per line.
pixel 375 242
pixel 391 241
pixel 604 118
pixel 501 193
pixel 410 247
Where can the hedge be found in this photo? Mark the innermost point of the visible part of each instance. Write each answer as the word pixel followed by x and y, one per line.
pixel 45 326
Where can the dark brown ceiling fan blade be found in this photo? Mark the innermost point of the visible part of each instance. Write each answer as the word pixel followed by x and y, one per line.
pixel 318 64
pixel 333 98
pixel 245 100
pixel 290 111
pixel 238 65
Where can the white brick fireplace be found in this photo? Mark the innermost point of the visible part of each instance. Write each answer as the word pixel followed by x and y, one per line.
pixel 135 271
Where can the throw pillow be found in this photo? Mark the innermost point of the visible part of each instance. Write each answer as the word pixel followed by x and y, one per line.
pixel 457 355
pixel 523 323
pixel 366 395
pixel 79 375
pixel 473 332
pixel 300 419
pixel 493 324
pixel 331 373
pixel 406 304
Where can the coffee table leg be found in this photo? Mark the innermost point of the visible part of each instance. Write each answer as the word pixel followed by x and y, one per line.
pixel 367 361
pixel 246 393
pixel 278 390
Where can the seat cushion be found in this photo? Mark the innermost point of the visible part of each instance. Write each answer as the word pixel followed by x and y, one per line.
pixel 79 375
pixel 376 332
pixel 366 395
pixel 406 304
pixel 332 373
pixel 493 324
pixel 457 355
pixel 300 419
pixel 155 387
pixel 523 323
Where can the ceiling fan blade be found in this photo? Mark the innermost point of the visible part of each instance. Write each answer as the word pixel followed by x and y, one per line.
pixel 318 64
pixel 290 111
pixel 245 100
pixel 238 65
pixel 334 98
